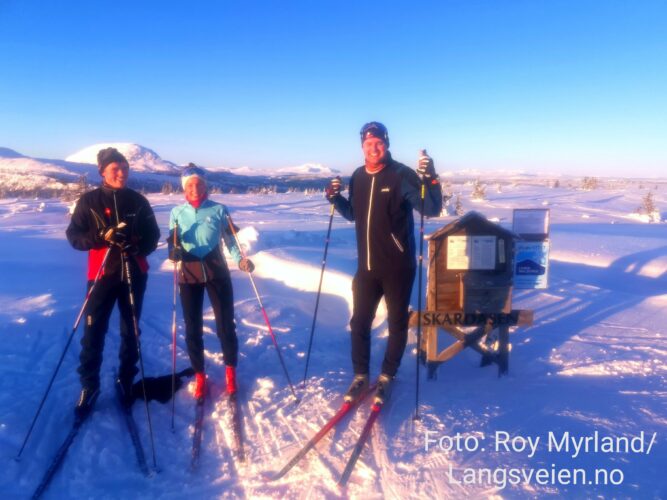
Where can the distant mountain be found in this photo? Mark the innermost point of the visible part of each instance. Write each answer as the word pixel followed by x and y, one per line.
pixel 9 153
pixel 309 170
pixel 24 176
pixel 141 159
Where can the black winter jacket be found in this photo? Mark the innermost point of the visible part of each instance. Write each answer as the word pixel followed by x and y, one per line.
pixel 381 206
pixel 104 207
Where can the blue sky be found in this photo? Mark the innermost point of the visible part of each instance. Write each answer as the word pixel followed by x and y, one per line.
pixel 571 86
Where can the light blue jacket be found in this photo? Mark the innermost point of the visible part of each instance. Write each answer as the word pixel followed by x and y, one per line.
pixel 201 229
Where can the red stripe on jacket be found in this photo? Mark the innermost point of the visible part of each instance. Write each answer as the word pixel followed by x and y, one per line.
pixel 96 256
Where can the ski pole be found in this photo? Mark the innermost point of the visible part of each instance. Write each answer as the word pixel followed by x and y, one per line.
pixel 100 272
pixel 173 337
pixel 319 290
pixel 259 300
pixel 135 324
pixel 419 288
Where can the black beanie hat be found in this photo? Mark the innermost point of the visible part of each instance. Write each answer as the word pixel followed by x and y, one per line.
pixel 374 129
pixel 109 155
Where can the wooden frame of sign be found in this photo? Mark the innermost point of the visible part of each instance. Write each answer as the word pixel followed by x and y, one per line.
pixel 469 292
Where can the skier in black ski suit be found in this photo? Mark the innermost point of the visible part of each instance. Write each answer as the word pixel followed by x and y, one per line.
pixel 382 195
pixel 118 220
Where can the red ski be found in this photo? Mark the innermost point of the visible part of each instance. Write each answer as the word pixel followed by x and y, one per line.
pixel 340 414
pixel 365 433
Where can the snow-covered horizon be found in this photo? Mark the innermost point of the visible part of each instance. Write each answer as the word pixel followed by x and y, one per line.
pixel 145 160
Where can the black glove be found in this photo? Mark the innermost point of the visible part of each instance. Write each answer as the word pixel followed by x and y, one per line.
pixel 175 250
pixel 333 189
pixel 130 249
pixel 114 235
pixel 246 265
pixel 176 253
pixel 425 166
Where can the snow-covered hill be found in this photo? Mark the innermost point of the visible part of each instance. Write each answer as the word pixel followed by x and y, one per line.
pixel 20 174
pixel 305 170
pixel 9 153
pixel 141 159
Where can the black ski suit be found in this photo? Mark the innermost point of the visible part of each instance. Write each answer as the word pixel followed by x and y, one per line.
pixel 381 206
pixel 96 210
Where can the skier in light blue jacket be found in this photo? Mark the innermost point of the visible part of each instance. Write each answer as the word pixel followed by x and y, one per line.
pixel 199 226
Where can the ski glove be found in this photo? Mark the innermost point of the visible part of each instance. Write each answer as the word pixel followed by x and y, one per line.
pixel 176 253
pixel 130 249
pixel 246 265
pixel 333 189
pixel 113 235
pixel 425 166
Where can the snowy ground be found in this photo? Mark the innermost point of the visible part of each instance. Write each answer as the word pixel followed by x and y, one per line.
pixel 594 361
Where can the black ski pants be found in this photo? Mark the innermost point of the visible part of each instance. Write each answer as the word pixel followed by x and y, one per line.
pixel 222 300
pixel 108 291
pixel 367 290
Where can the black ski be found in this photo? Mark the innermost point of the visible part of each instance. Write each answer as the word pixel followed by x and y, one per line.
pixel 196 436
pixel 57 459
pixel 346 408
pixel 133 431
pixel 237 426
pixel 365 433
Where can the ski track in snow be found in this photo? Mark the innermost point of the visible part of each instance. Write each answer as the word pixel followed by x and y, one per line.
pixel 593 360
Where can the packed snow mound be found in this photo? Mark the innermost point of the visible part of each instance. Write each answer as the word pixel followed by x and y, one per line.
pixel 141 159
pixel 9 153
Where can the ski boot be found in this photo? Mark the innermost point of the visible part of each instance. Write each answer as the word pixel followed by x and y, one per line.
pixel 86 402
pixel 230 375
pixel 200 386
pixel 383 391
pixel 357 388
pixel 125 390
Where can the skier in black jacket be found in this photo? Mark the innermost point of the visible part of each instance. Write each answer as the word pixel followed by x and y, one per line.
pixel 382 195
pixel 118 220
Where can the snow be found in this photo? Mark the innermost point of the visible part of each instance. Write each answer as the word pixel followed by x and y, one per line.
pixel 593 361
pixel 307 169
pixel 141 158
pixel 21 175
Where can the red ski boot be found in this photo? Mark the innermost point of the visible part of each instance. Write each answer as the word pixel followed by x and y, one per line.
pixel 200 385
